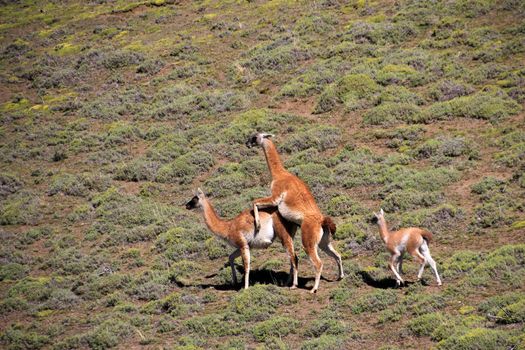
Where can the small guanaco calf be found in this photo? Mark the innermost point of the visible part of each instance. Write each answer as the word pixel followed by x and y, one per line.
pixel 412 240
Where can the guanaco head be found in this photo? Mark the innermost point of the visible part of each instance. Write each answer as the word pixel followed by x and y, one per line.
pixel 257 139
pixel 378 217
pixel 195 202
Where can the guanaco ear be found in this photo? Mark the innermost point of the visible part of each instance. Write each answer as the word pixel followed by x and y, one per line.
pixel 382 212
pixel 266 136
pixel 376 214
pixel 199 192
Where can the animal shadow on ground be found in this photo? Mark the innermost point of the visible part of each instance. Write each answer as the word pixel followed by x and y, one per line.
pixel 383 283
pixel 259 276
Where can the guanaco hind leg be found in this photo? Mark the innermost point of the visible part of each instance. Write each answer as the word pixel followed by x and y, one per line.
pixel 426 253
pixel 311 234
pixel 327 247
pixel 232 258
pixel 393 266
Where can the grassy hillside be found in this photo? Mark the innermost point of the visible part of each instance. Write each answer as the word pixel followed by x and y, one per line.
pixel 113 111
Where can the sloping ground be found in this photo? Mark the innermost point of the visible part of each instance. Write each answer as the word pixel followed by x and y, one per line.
pixel 112 112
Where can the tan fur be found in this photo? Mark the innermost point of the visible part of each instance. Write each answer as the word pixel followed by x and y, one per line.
pixel 412 240
pixel 296 204
pixel 237 230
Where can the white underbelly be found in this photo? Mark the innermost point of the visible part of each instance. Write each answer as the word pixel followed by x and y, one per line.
pixel 264 237
pixel 289 214
pixel 402 245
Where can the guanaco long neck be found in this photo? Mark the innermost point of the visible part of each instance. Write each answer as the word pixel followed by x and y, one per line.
pixel 213 221
pixel 272 158
pixel 383 230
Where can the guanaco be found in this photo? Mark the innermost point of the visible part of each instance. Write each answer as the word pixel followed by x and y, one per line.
pixel 240 233
pixel 296 203
pixel 413 240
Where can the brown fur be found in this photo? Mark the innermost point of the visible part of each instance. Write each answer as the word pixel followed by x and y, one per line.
pixel 329 224
pixel 427 236
pixel 235 231
pixel 289 190
pixel 409 239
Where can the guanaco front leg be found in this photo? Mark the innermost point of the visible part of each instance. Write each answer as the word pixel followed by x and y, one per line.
pixel 267 202
pixel 393 267
pixel 245 252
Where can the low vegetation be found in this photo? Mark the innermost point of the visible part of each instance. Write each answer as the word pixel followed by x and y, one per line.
pixel 112 113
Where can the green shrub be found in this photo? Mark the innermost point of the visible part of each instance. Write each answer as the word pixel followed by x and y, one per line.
pixel 12 272
pixel 449 89
pixel 121 133
pixel 216 249
pixel 137 170
pixel 383 32
pixel 78 185
pixel 324 342
pixel 18 338
pixel 314 174
pixel 216 325
pixel 513 313
pixel 390 113
pixel 32 289
pixel 432 179
pixel 375 301
pixel 349 230
pixel 150 66
pixel 461 262
pixel 278 326
pixel 442 218
pixel 477 338
pixel 344 205
pixel 20 208
pixel 472 9
pixel 182 271
pixel 228 184
pixel 410 199
pixel 11 304
pixel 497 207
pixel 178 171
pixel 258 302
pixel 276 57
pixel 503 265
pixel 318 24
pixel 403 136
pixel 118 59
pixel 350 88
pixel 9 184
pixel 422 303
pixel 445 147
pixel 35 234
pixel 108 334
pixel 399 94
pixel 425 325
pixel 327 324
pixel 482 105
pixel 493 305
pixel 168 147
pixel 310 82
pixel 400 74
pixel 320 138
